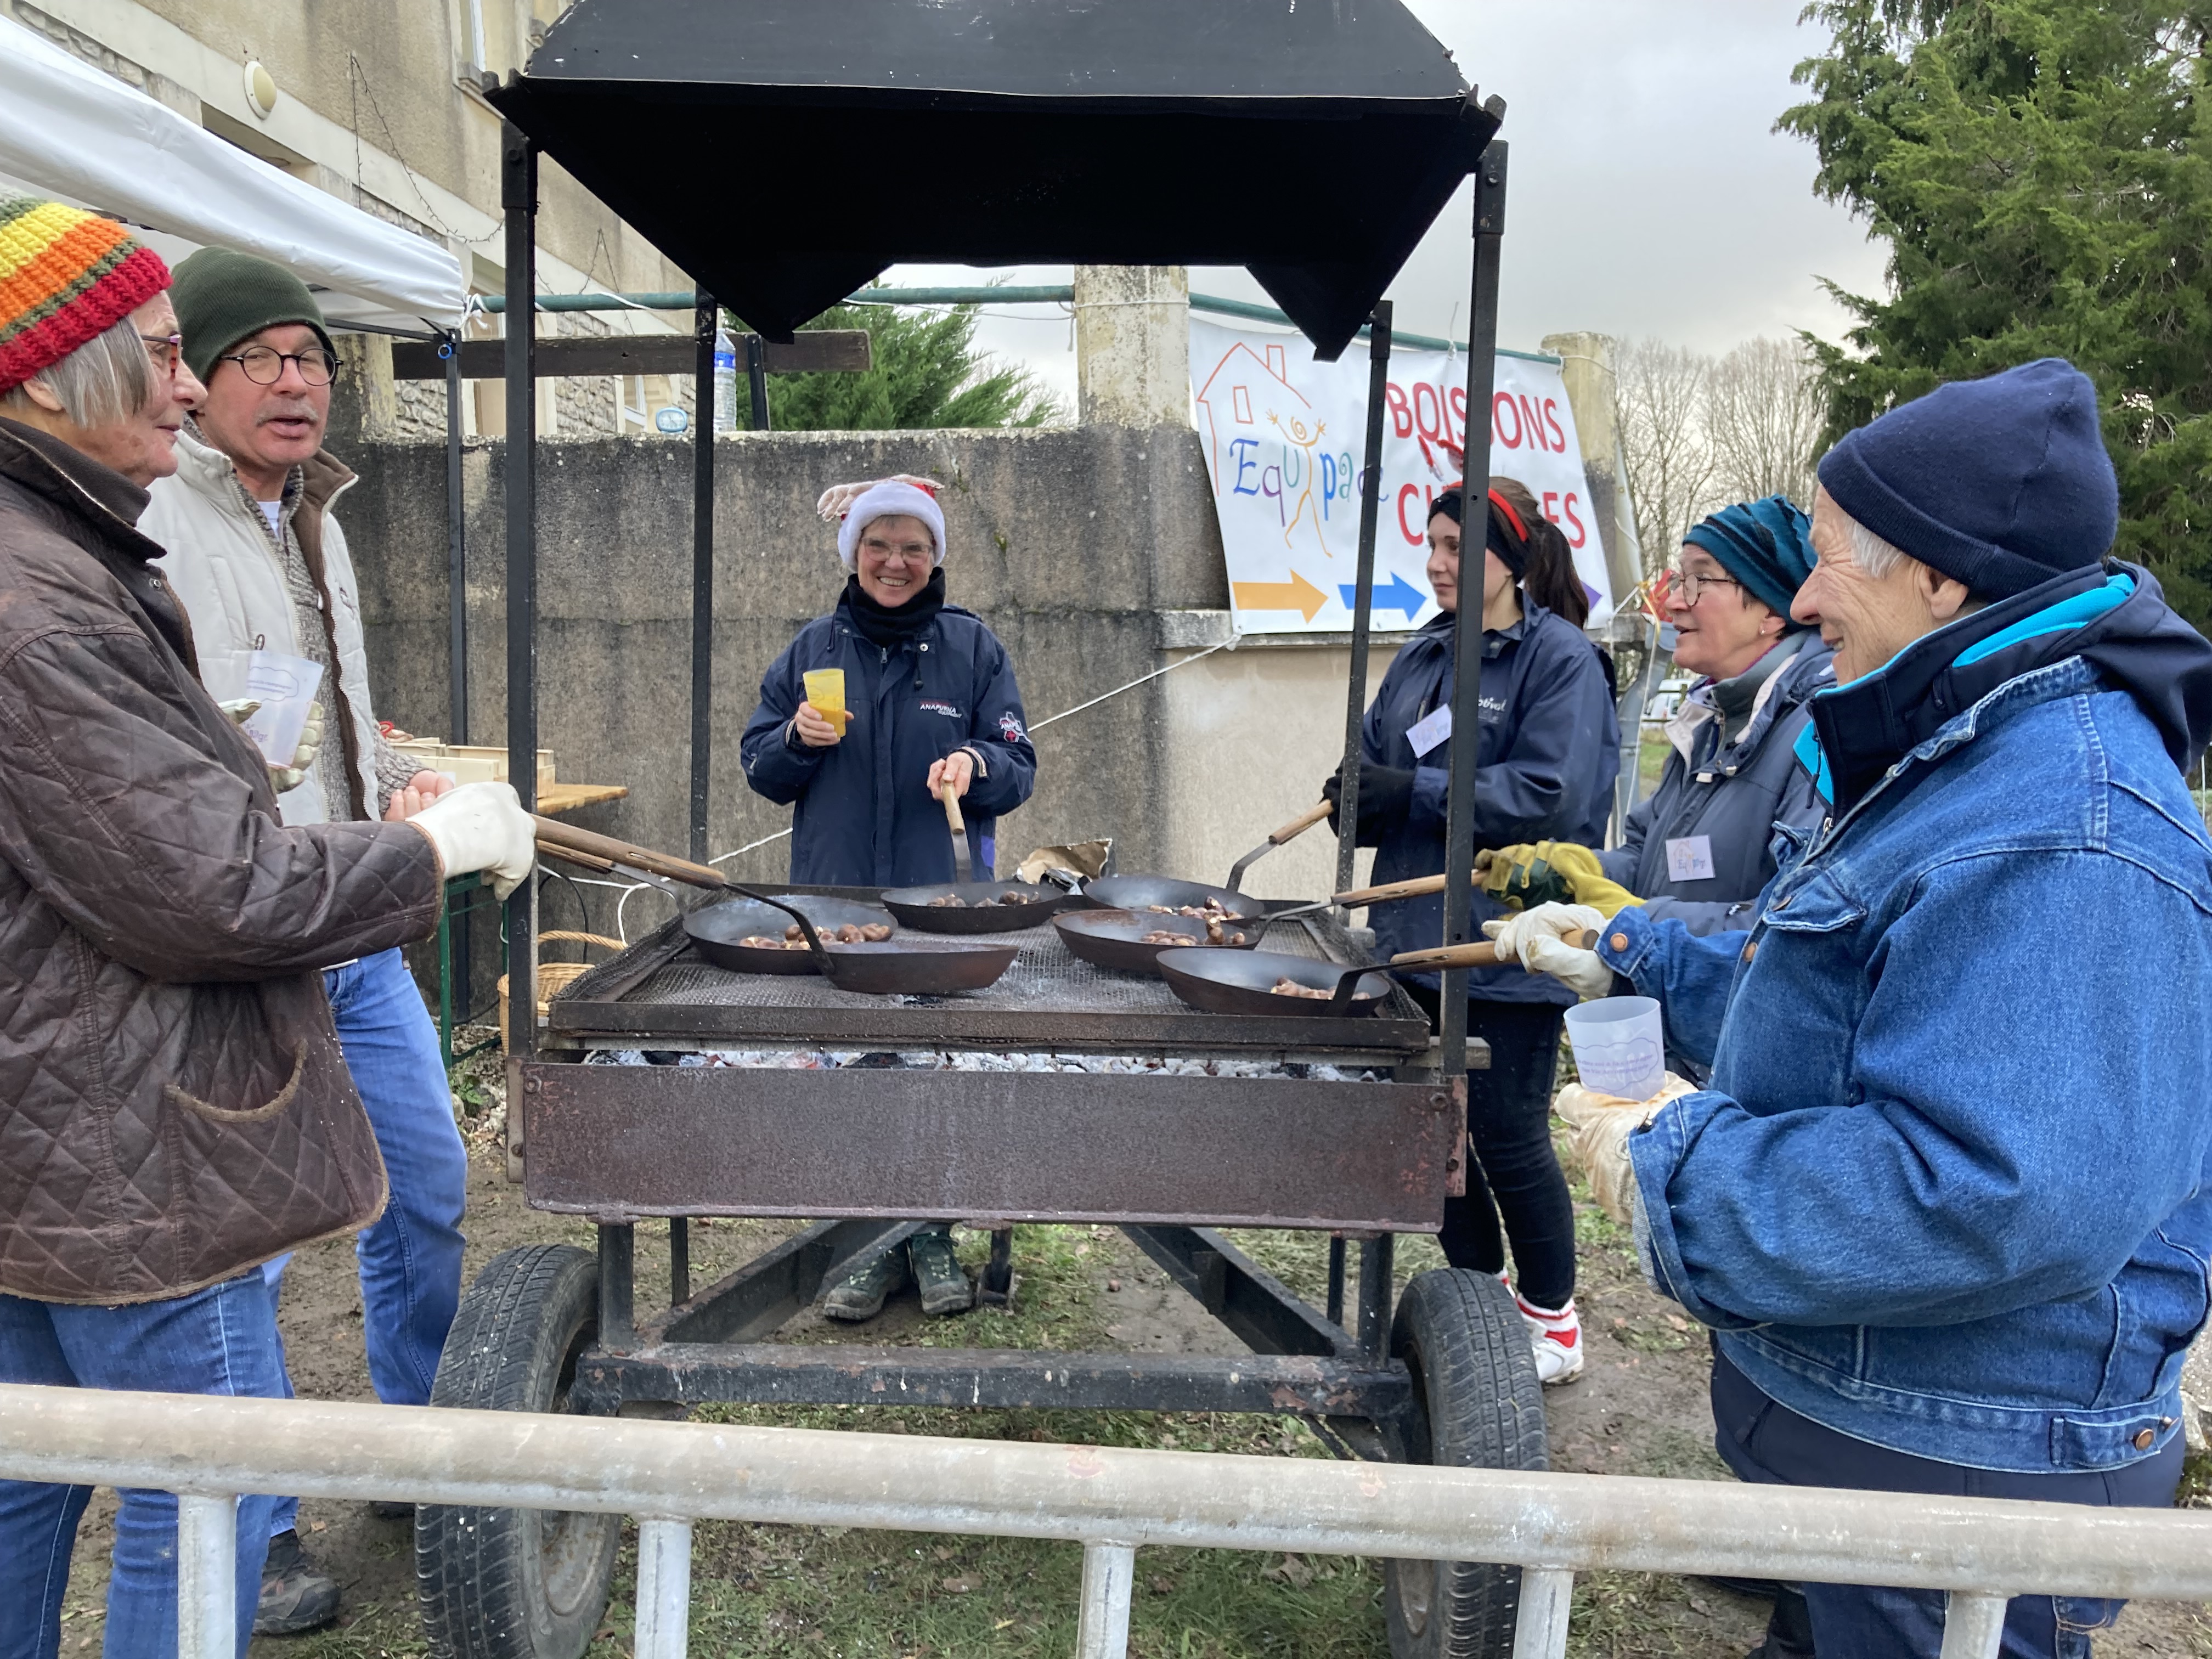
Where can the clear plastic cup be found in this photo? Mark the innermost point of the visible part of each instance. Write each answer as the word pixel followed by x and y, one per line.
pixel 825 694
pixel 1619 1046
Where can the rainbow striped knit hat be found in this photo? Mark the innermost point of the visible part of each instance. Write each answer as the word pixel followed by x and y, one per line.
pixel 65 275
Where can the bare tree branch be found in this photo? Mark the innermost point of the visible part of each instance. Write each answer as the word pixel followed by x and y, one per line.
pixel 1763 413
pixel 1661 389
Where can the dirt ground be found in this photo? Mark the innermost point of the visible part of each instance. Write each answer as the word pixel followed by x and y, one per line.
pixel 1640 1409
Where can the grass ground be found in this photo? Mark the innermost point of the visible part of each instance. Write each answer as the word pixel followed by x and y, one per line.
pixel 831 1593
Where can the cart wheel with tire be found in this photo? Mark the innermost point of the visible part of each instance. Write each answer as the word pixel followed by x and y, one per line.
pixel 1477 1404
pixel 516 1583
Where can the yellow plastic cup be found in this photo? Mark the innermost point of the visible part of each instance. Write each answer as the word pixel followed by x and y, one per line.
pixel 826 695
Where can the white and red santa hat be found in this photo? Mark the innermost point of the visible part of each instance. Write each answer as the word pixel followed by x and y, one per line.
pixel 854 507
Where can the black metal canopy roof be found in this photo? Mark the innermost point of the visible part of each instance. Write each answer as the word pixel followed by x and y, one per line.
pixel 786 152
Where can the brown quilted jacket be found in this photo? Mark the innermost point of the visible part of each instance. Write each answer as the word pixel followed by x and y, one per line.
pixel 173 1105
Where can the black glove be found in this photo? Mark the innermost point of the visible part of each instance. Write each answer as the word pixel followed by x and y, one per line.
pixel 1386 797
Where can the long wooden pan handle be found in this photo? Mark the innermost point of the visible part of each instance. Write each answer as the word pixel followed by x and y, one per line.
pixel 566 837
pixel 1395 889
pixel 952 817
pixel 1483 953
pixel 1298 825
pixel 1415 888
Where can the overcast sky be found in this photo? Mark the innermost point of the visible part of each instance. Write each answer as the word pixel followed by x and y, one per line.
pixel 1649 194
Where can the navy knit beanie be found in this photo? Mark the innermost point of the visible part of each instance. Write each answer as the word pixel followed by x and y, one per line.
pixel 2001 484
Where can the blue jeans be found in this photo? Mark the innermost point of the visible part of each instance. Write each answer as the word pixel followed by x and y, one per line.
pixel 221 1340
pixel 410 1257
pixel 1765 1440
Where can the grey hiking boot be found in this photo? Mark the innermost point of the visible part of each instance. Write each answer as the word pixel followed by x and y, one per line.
pixel 944 1282
pixel 862 1292
pixel 294 1598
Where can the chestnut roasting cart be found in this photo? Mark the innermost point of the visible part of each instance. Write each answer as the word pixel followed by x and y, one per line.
pixel 1070 132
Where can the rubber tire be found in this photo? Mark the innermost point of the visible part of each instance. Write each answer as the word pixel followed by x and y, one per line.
pixel 1477 1405
pixel 516 1583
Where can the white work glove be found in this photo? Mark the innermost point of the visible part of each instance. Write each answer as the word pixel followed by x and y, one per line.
pixel 838 498
pixel 1602 1124
pixel 482 826
pixel 1538 938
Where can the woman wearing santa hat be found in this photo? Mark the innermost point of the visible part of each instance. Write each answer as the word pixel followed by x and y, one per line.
pixel 930 700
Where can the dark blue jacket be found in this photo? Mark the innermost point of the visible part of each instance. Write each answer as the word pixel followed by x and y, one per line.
pixel 865 817
pixel 1732 797
pixel 1550 749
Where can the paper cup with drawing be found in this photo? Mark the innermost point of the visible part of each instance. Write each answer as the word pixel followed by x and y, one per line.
pixel 1620 1046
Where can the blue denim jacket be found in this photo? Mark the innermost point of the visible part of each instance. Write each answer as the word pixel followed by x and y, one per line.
pixel 1945 1194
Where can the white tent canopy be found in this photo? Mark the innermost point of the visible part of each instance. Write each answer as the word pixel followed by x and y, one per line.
pixel 69 132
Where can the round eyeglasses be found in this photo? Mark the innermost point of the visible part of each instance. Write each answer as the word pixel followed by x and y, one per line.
pixel 265 366
pixel 1688 582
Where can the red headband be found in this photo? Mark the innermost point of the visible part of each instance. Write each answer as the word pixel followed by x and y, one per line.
pixel 1511 516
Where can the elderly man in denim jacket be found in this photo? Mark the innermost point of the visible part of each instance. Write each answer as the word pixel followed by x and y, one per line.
pixel 1943 1204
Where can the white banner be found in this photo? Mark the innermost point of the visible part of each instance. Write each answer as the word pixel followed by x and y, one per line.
pixel 1284 439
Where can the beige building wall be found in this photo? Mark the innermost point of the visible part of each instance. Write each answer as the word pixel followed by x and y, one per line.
pixel 380 103
pixel 1250 734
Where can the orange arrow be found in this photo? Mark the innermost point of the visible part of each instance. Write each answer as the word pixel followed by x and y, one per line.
pixel 1297 595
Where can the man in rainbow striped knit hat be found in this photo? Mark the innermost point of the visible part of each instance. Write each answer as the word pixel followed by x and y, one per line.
pixel 174 1106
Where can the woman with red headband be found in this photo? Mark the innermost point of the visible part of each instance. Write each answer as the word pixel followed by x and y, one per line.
pixel 1550 747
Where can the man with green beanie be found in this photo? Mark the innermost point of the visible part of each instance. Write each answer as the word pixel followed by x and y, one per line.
pixel 266 578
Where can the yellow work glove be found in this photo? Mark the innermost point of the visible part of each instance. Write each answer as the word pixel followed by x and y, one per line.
pixel 1550 873
pixel 1602 1124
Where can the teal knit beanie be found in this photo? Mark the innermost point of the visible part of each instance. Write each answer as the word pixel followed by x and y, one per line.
pixel 223 296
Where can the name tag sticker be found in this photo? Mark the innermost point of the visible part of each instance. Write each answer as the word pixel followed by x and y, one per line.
pixel 1690 859
pixel 1426 735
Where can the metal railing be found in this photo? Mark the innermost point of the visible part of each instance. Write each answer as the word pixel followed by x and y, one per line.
pixel 1111 1502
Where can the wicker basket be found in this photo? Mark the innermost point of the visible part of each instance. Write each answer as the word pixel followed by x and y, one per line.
pixel 554 975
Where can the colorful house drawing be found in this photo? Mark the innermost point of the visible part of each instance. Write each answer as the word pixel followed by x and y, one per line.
pixel 1249 396
pixel 1234 400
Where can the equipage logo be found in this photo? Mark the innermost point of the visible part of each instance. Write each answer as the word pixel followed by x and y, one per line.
pixel 943 708
pixel 1011 729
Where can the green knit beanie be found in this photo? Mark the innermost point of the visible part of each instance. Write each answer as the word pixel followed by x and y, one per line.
pixel 223 296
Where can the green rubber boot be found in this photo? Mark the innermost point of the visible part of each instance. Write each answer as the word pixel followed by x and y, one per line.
pixel 864 1291
pixel 944 1281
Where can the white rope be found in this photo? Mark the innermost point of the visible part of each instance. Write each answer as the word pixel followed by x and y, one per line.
pixel 1228 644
pixel 751 844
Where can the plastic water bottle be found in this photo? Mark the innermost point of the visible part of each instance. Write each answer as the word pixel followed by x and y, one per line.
pixel 726 382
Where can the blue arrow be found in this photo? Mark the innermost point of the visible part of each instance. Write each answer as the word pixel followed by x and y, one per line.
pixel 1400 595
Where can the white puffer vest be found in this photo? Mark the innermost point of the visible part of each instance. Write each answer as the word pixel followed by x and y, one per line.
pixel 225 571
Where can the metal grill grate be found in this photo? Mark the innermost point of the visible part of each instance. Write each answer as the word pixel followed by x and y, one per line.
pixel 658 994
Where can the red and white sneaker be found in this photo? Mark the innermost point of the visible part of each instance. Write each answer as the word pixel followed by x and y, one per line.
pixel 1557 1335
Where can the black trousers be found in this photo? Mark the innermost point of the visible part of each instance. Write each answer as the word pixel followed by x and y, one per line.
pixel 1514 1173
pixel 1764 1441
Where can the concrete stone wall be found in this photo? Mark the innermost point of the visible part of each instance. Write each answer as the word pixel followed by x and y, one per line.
pixel 1078 546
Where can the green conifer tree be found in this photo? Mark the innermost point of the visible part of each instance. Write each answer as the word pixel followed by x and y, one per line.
pixel 926 372
pixel 2042 170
